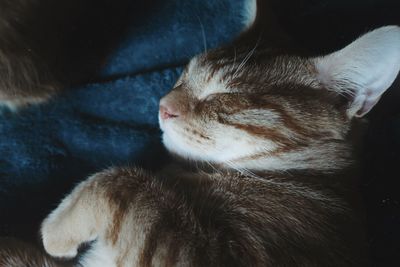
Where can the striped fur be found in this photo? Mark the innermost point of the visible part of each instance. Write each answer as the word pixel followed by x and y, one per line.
pixel 271 107
pixel 214 219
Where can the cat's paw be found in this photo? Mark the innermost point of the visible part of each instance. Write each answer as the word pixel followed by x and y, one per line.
pixel 61 240
pixel 62 234
pixel 71 224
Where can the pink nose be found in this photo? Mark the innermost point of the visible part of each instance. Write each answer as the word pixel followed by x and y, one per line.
pixel 167 113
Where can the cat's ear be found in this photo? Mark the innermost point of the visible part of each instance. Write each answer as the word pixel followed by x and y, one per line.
pixel 364 69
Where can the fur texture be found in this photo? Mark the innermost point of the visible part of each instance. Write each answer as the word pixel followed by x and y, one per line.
pixel 14 253
pixel 278 191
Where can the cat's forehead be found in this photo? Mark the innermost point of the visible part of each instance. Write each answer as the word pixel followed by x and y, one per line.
pixel 205 76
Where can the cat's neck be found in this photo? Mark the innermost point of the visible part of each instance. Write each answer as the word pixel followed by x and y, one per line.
pixel 328 157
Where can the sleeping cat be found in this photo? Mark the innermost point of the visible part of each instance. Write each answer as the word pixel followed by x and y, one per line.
pixel 274 131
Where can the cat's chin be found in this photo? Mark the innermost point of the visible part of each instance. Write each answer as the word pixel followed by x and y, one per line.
pixel 182 150
pixel 176 145
pixel 187 153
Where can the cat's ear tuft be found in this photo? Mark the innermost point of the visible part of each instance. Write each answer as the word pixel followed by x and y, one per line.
pixel 364 69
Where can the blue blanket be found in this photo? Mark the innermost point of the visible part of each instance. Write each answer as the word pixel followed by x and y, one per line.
pixel 46 149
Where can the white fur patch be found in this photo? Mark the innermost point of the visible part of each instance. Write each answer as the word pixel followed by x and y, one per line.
pixel 99 255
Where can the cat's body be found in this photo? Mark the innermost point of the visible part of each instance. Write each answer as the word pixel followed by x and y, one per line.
pixel 200 219
pixel 181 218
pixel 279 191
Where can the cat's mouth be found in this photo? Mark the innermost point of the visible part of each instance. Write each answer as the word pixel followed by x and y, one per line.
pixel 167 113
pixel 187 143
pixel 183 140
pixel 165 118
pixel 179 144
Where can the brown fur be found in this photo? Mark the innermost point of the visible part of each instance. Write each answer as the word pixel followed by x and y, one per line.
pixel 228 219
pixel 15 253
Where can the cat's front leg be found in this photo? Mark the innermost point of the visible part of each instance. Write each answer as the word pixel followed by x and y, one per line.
pixel 98 209
pixel 81 217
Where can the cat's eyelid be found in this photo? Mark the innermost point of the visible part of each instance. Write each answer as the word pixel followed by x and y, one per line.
pixel 207 92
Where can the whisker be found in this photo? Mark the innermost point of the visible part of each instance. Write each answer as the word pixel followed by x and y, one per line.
pixel 234 59
pixel 246 58
pixel 243 171
pixel 203 33
pixel 213 167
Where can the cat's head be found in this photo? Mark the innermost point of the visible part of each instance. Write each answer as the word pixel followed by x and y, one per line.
pixel 251 109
